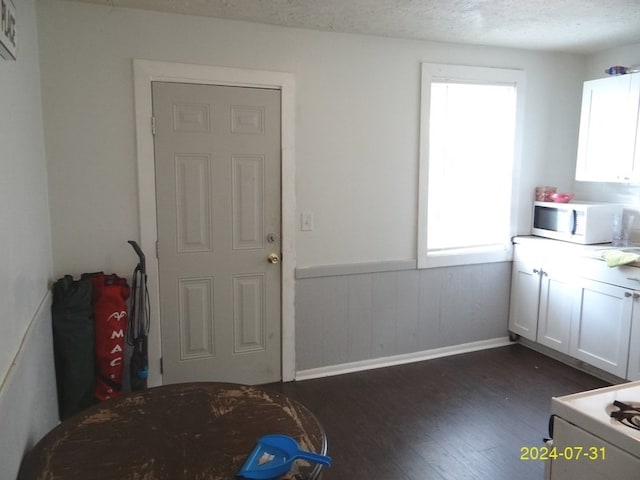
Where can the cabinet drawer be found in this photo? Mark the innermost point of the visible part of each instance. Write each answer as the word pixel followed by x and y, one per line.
pixel 624 276
pixel 557 259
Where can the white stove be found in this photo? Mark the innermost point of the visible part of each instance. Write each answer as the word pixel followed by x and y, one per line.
pixel 583 423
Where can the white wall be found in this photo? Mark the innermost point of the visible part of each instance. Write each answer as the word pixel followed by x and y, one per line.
pixel 356 131
pixel 27 382
pixel 356 125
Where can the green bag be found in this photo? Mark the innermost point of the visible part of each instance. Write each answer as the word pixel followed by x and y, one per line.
pixel 73 344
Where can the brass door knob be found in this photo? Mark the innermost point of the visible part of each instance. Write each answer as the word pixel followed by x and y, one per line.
pixel 273 258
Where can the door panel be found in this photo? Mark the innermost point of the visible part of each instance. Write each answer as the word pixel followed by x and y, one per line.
pixel 249 315
pixel 195 299
pixel 193 212
pixel 248 198
pixel 217 153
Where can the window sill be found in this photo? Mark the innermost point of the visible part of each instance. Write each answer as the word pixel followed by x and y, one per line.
pixel 466 256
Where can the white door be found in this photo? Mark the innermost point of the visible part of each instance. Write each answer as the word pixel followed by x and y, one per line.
pixel 217 154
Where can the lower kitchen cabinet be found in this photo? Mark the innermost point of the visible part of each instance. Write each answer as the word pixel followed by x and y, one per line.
pixel 542 296
pixel 579 307
pixel 601 325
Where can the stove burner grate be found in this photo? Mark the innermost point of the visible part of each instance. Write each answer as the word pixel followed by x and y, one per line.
pixel 627 415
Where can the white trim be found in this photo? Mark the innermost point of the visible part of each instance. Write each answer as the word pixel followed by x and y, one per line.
pixel 354 268
pixel 146 71
pixel 462 73
pixel 469 256
pixel 44 308
pixel 401 359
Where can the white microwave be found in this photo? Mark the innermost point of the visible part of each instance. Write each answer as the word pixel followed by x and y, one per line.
pixel 577 222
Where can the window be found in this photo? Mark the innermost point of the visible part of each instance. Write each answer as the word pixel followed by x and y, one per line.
pixel 470 127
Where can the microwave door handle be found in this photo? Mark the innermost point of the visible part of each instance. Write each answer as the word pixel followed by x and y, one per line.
pixel 574 221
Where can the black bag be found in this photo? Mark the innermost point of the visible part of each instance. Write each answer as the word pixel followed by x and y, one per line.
pixel 73 344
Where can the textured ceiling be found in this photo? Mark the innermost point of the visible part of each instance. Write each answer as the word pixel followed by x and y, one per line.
pixel 578 26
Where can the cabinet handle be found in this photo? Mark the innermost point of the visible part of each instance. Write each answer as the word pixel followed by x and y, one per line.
pixel 633 279
pixel 636 296
pixel 535 270
pixel 627 294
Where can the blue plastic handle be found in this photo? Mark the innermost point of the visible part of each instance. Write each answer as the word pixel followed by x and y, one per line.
pixel 283 450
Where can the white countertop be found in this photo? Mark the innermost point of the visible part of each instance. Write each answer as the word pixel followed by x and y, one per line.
pixel 573 249
pixel 582 261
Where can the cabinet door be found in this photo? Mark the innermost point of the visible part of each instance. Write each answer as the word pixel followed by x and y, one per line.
pixel 635 101
pixel 557 295
pixel 525 293
pixel 607 130
pixel 633 370
pixel 601 325
pixel 608 461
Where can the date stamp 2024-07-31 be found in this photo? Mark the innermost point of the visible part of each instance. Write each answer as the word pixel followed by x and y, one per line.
pixel 572 453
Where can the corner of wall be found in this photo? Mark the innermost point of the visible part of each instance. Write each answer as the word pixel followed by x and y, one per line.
pixel 28 398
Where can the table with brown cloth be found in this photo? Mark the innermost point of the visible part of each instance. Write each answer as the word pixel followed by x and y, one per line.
pixel 187 431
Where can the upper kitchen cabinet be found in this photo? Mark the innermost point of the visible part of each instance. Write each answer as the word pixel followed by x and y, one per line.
pixel 609 132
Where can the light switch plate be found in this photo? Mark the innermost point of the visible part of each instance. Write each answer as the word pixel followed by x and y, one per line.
pixel 306 222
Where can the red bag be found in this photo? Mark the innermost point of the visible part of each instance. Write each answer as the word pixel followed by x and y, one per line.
pixel 110 294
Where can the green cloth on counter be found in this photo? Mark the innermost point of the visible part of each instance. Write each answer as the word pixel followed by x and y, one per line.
pixel 615 258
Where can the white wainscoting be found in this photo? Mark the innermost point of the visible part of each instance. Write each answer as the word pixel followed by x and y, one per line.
pixel 348 322
pixel 28 398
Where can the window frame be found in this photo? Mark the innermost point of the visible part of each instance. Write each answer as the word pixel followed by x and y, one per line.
pixel 465 74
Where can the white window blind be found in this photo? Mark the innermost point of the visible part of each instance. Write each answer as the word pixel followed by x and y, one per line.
pixel 468 151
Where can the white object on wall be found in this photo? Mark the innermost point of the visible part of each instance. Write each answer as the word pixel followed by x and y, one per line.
pixel 8 30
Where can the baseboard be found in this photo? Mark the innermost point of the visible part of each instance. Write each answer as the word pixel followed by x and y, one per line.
pixel 400 359
pixel 572 362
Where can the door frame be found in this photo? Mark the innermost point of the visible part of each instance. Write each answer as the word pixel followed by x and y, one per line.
pixel 147 71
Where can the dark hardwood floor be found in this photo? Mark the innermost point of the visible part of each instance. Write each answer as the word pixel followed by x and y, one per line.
pixel 454 418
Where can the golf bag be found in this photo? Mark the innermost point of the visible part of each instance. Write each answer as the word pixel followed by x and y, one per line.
pixel 73 333
pixel 110 294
